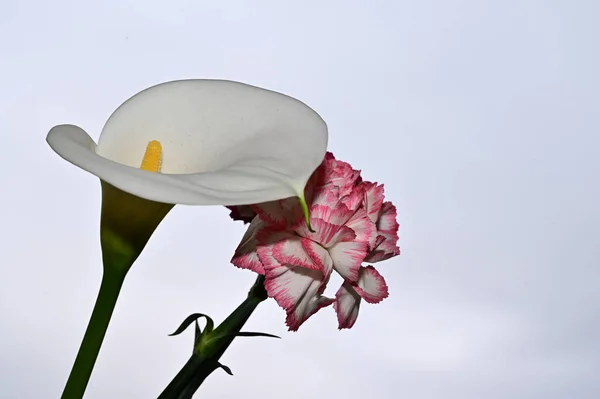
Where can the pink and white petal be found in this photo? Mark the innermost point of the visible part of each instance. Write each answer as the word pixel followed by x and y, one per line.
pixel 373 199
pixel 319 255
pixel 271 213
pixel 354 198
pixel 387 222
pixel 325 233
pixel 341 175
pixel 270 235
pixel 346 306
pixel 379 240
pixel 290 286
pixel 341 214
pixel 291 252
pixel 295 318
pixel 248 261
pixel 296 289
pixel 330 225
pixel 344 234
pixel 246 254
pixel 387 228
pixel 347 258
pixel 385 249
pixel 279 214
pixel 325 195
pixel 321 211
pixel 389 245
pixel 363 227
pixel 371 285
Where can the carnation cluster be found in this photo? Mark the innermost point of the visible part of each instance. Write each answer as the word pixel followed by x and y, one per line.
pixel 350 225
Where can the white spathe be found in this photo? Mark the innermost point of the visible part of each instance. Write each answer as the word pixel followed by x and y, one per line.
pixel 224 143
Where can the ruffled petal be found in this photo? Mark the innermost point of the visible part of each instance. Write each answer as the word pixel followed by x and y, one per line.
pixel 281 214
pixel 386 249
pixel 362 226
pixel 386 244
pixel 246 254
pixel 387 223
pixel 373 199
pixel 347 258
pixel 292 252
pixel 371 285
pixel 346 306
pixel 341 175
pixel 296 289
pixel 319 255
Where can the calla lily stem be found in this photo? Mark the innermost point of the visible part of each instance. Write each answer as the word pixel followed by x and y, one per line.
pixel 112 281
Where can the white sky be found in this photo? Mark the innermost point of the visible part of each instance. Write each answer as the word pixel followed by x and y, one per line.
pixel 481 117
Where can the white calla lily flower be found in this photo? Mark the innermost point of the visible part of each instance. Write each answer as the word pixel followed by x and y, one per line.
pixel 212 142
pixel 223 143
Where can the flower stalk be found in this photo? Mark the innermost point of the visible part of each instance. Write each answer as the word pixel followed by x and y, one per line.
pixel 210 345
pixel 127 223
pixel 112 281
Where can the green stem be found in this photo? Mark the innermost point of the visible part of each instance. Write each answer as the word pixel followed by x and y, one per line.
pixel 209 362
pixel 202 363
pixel 178 385
pixel 112 281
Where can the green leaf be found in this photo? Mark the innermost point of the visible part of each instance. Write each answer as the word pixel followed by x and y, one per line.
pixel 194 318
pixel 227 369
pixel 197 332
pixel 249 334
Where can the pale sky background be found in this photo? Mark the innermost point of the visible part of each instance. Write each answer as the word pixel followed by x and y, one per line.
pixel 481 118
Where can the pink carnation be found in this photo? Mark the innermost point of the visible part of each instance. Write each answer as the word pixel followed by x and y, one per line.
pixel 352 225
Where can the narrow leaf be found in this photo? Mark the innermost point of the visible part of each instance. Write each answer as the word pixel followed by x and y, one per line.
pixel 197 332
pixel 227 369
pixel 249 334
pixel 190 319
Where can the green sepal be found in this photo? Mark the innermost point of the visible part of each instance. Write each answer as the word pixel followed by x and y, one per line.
pixel 197 332
pixel 247 334
pixel 194 318
pixel 227 369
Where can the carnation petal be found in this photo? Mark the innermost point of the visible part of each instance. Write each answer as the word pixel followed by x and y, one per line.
pixel 296 289
pixel 292 252
pixel 346 306
pixel 387 227
pixel 387 222
pixel 246 254
pixel 347 258
pixel 371 285
pixel 373 199
pixel 362 226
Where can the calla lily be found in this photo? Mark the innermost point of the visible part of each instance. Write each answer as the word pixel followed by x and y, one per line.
pixel 214 142
pixel 194 142
pixel 223 143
